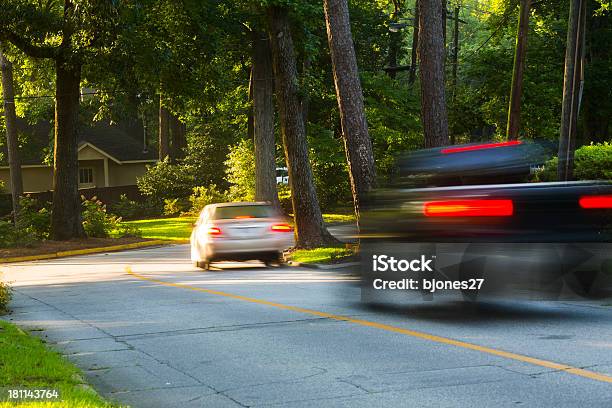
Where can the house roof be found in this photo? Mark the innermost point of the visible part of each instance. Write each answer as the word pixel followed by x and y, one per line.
pixel 110 140
pixel 116 143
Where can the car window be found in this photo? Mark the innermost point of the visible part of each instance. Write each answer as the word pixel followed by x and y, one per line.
pixel 243 211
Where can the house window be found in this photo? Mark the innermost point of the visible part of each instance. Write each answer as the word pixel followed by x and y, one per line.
pixel 86 175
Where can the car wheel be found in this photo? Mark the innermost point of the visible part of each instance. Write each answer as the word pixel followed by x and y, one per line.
pixel 275 260
pixel 205 265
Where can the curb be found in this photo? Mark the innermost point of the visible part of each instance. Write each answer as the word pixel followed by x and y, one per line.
pixel 86 251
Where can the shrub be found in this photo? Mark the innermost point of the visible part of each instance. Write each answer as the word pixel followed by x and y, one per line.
pixel 175 206
pixel 591 162
pixel 11 236
pixel 129 209
pixel 166 181
pixel 5 296
pixel 96 221
pixel 240 169
pixel 202 196
pixel 34 218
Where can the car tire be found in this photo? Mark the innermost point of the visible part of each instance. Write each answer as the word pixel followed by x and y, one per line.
pixel 275 260
pixel 205 265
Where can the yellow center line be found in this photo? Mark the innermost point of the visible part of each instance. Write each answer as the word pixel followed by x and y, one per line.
pixel 420 335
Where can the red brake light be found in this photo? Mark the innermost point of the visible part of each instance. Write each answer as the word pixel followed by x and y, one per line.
pixel 468 208
pixel 243 216
pixel 600 201
pixel 281 228
pixel 214 231
pixel 480 147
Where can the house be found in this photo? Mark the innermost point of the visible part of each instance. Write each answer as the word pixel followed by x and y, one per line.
pixel 108 157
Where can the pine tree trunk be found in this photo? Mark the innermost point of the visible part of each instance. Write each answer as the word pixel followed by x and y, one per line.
pixel 11 134
pixel 431 56
pixel 164 130
pixel 310 229
pixel 357 143
pixel 263 120
pixel 514 109
pixel 415 44
pixel 66 217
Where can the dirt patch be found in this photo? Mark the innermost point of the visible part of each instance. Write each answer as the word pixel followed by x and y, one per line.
pixel 51 247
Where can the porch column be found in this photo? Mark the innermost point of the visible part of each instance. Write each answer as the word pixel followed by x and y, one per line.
pixel 106 183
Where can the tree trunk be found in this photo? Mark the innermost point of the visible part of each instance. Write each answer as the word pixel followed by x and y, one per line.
pixel 11 134
pixel 357 143
pixel 263 120
pixel 310 229
pixel 514 109
pixel 431 57
pixel 66 217
pixel 415 44
pixel 164 130
pixel 569 108
pixel 178 137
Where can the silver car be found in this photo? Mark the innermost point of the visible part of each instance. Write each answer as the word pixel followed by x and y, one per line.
pixel 239 232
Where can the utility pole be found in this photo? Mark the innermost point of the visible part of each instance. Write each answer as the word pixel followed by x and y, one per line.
pixel 11 133
pixel 573 74
pixel 516 90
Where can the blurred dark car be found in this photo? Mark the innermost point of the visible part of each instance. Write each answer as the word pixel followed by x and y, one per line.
pixel 469 208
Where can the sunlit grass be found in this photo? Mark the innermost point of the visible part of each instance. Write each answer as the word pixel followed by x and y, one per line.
pixel 175 229
pixel 26 362
pixel 320 255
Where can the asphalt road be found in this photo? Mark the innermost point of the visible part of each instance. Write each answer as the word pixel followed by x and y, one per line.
pixel 150 330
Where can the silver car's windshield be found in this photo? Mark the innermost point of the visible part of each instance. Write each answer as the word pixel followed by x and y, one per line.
pixel 243 211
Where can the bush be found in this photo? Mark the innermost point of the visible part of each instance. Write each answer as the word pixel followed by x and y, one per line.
pixel 166 181
pixel 34 218
pixel 176 206
pixel 240 169
pixel 130 210
pixel 11 236
pixel 202 196
pixel 5 296
pixel 96 221
pixel 591 162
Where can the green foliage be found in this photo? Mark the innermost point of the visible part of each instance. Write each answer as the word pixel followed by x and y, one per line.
pixel 205 195
pixel 284 198
pixel 5 295
pixel 240 169
pixel 175 206
pixel 12 237
pixel 129 209
pixel 165 180
pixel 591 162
pixel 34 218
pixel 96 221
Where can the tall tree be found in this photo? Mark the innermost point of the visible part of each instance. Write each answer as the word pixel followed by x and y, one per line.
pixel 10 117
pixel 574 59
pixel 357 143
pixel 310 228
pixel 431 56
pixel 516 91
pixel 75 30
pixel 415 43
pixel 263 119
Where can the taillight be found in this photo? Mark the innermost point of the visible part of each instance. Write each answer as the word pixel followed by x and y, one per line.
pixel 281 228
pixel 468 208
pixel 449 150
pixel 596 201
pixel 215 231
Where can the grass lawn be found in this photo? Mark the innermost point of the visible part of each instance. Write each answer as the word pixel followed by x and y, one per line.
pixel 176 229
pixel 320 255
pixel 26 362
pixel 338 218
